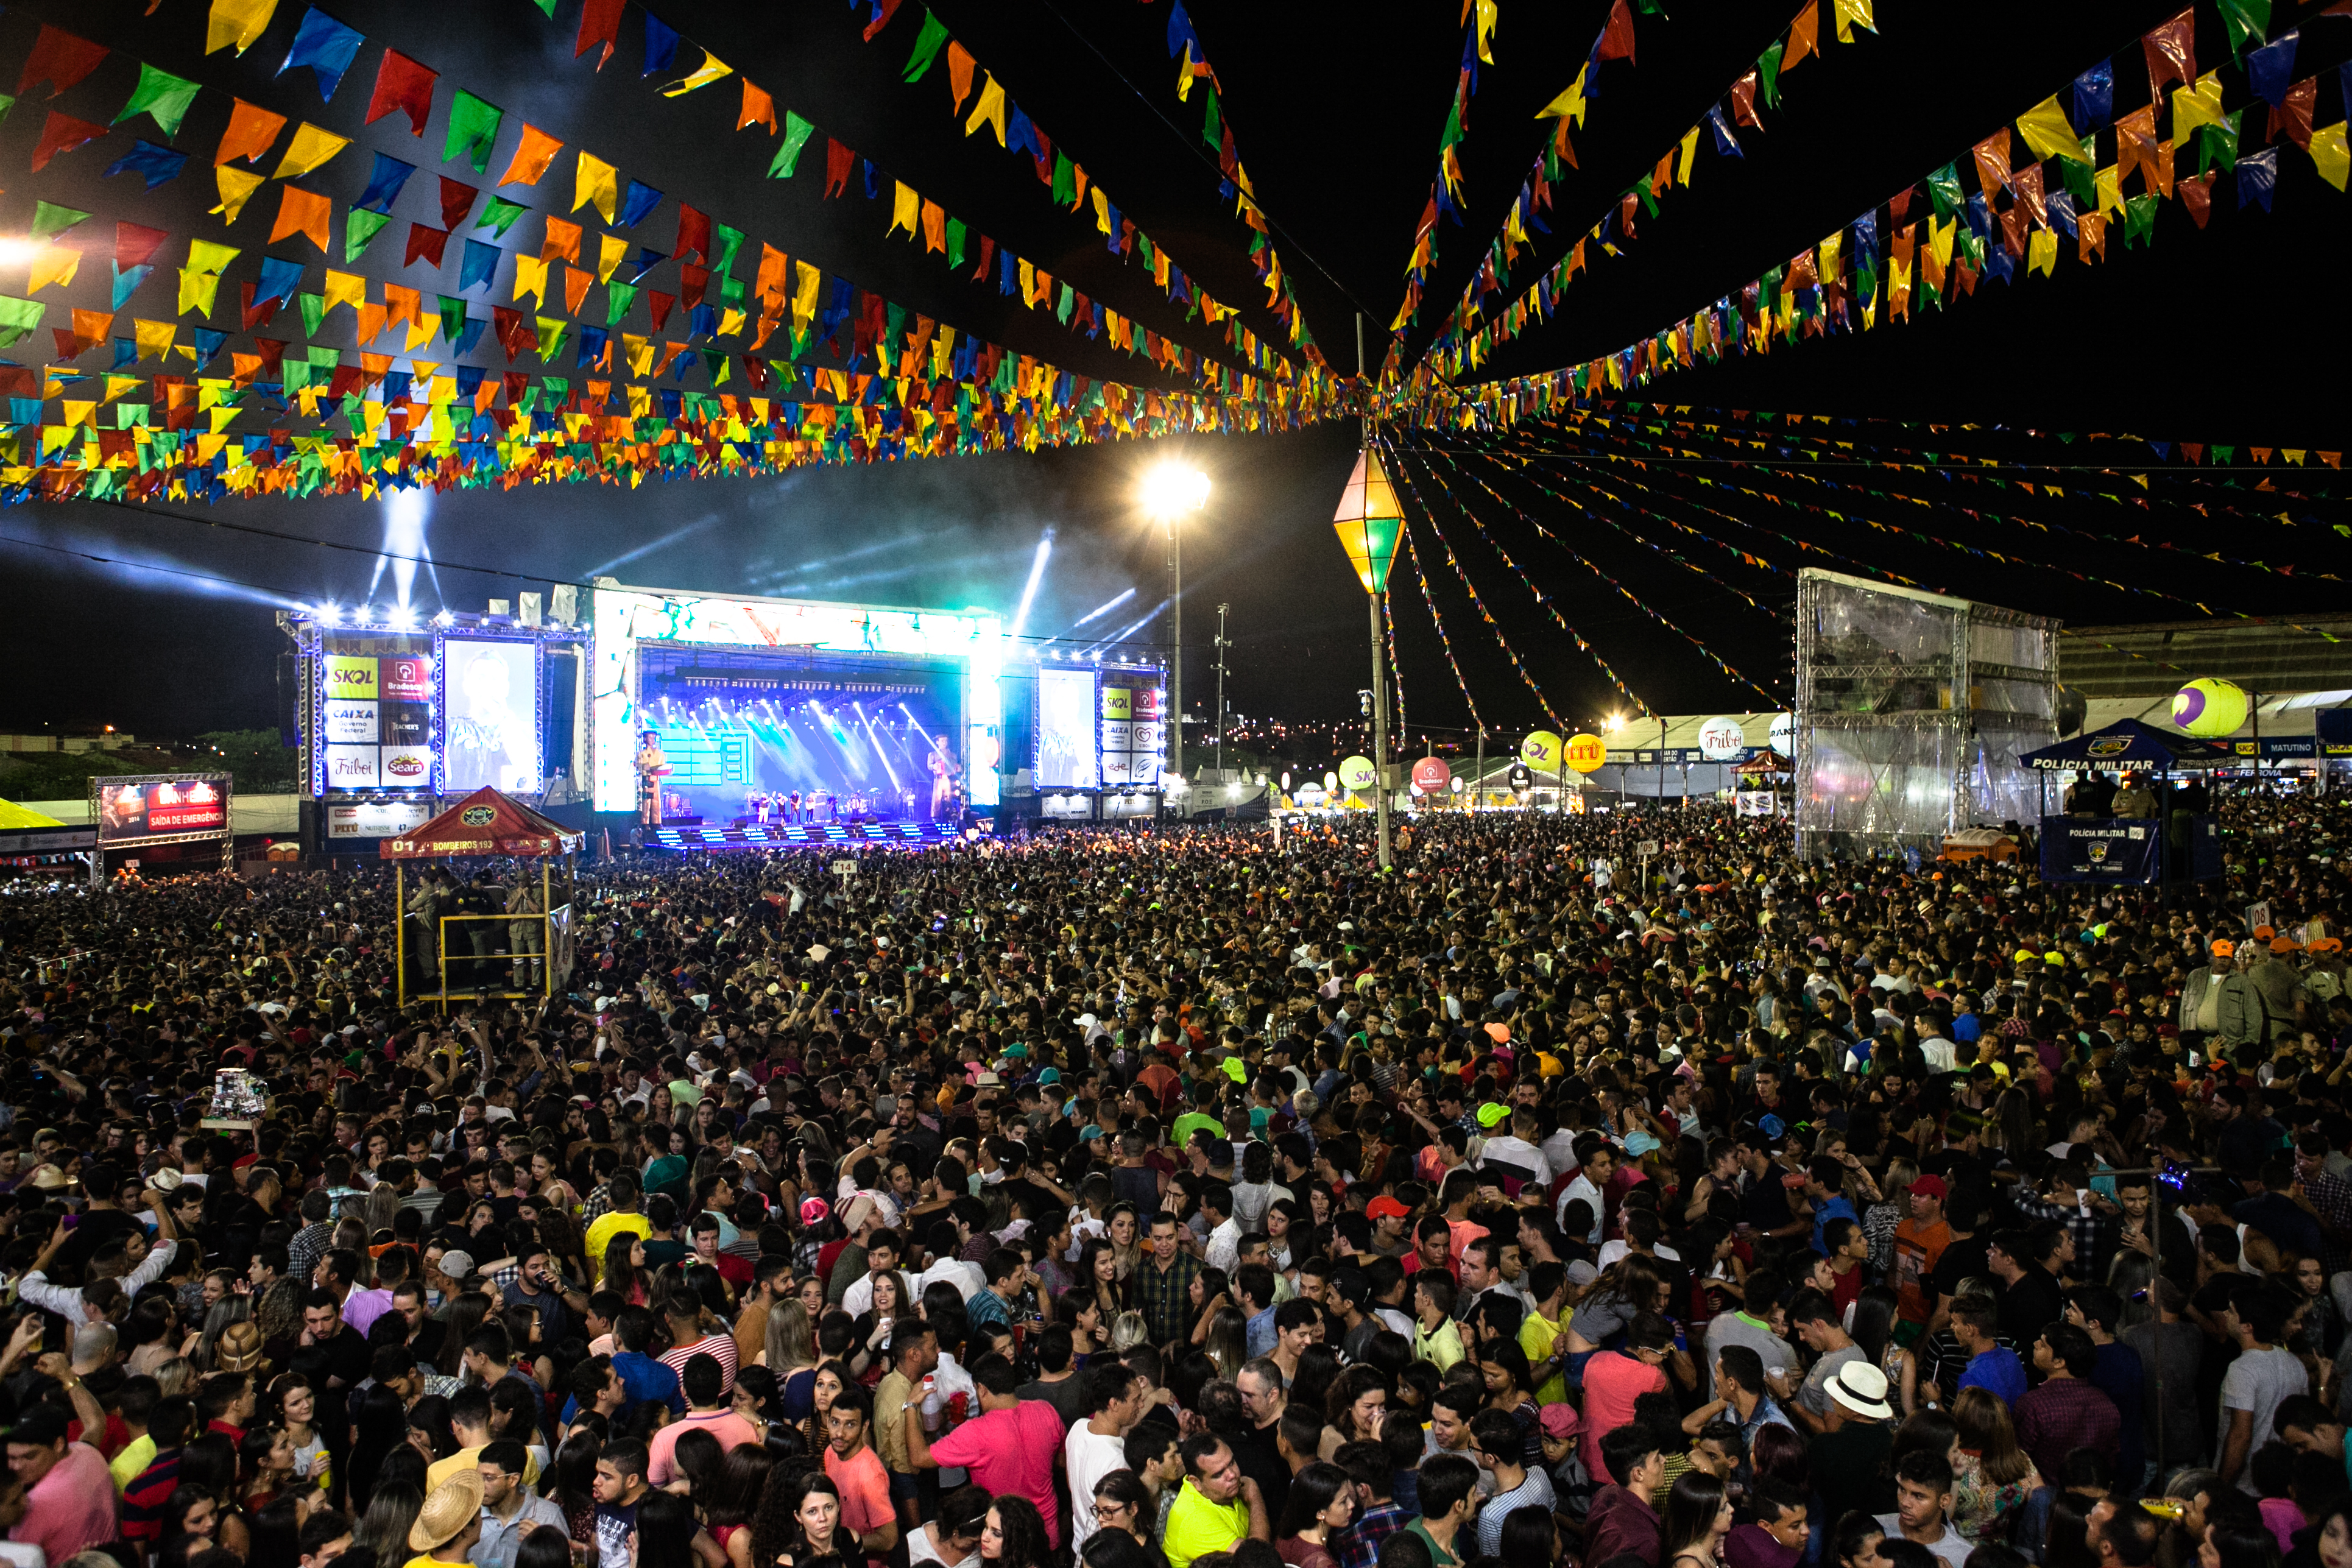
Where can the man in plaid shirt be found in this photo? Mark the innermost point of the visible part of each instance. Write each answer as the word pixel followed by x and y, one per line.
pixel 1164 1282
pixel 1378 1515
pixel 2072 1202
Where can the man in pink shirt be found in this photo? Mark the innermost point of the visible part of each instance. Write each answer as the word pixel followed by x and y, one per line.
pixel 707 1411
pixel 857 1471
pixel 1010 1447
pixel 69 1497
pixel 1615 1379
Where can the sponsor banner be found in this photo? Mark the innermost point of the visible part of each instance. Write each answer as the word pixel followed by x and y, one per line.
pixel 404 723
pixel 1151 703
pixel 1117 735
pixel 151 808
pixel 357 767
pixel 1116 769
pixel 376 819
pixel 406 677
pixel 406 767
pixel 1151 735
pixel 349 677
pixel 1118 703
pixel 351 721
pixel 1756 803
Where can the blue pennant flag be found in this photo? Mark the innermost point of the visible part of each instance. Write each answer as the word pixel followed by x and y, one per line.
pixel 1726 143
pixel 384 182
pixel 480 266
pixel 2270 68
pixel 278 279
pixel 327 46
pixel 639 204
pixel 591 346
pixel 661 44
pixel 647 259
pixel 127 281
pixel 468 336
pixel 126 353
pixel 156 164
pixel 208 345
pixel 2095 96
pixel 2257 176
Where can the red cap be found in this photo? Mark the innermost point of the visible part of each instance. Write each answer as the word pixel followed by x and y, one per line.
pixel 1931 1187
pixel 1385 1207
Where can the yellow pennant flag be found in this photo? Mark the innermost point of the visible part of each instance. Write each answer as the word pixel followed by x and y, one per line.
pixel 236 188
pixel 197 291
pixel 2047 131
pixel 55 264
pixel 906 211
pixel 345 288
pixel 530 279
pixel 1852 14
pixel 710 70
pixel 1489 13
pixel 989 110
pixel 2192 109
pixel 1569 105
pixel 2111 190
pixel 610 251
pixel 596 180
pixel 1939 240
pixel 1690 150
pixel 116 386
pixel 238 22
pixel 1102 211
pixel 638 352
pixel 2042 252
pixel 311 148
pixel 2329 152
pixel 155 338
pixel 808 281
pixel 210 256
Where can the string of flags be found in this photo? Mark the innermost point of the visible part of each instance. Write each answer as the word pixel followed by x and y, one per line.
pixel 1443 642
pixel 1458 347
pixel 1479 19
pixel 1932 242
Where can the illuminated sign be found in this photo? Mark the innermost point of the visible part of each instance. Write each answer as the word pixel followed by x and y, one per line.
pixel 143 810
pixel 349 677
pixel 377 819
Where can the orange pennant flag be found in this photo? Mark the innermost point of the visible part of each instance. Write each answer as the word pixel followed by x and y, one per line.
pixel 531 156
pixel 1804 36
pixel 251 130
pixel 758 108
pixel 306 213
pixel 562 240
pixel 575 286
pixel 960 69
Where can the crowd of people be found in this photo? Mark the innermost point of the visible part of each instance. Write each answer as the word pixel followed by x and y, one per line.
pixel 1185 1200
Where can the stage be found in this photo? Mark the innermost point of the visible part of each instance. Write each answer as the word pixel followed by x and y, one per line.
pixel 690 840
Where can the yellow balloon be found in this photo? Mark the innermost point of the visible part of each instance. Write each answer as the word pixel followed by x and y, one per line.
pixel 1585 753
pixel 2209 707
pixel 1540 751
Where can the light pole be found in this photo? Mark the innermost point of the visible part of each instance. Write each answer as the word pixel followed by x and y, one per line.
pixel 1169 491
pixel 1369 524
pixel 1221 644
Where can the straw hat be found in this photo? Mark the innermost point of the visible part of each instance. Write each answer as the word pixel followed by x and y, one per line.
pixel 48 1178
pixel 238 1349
pixel 454 1505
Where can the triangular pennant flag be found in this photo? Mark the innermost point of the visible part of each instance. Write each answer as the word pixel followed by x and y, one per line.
pixel 50 219
pixel 238 22
pixel 499 215
pixel 479 265
pixel 457 201
pixel 155 164
pixel 531 156
pixel 710 70
pixel 384 182
pixel 359 226
pixel 758 108
pixel 473 129
pixel 324 45
pixel 401 84
pixel 594 180
pixel 305 213
pixel 161 96
pixel 311 149
pixel 63 133
pixel 252 130
pixel 639 203
pixel 796 134
pixel 427 244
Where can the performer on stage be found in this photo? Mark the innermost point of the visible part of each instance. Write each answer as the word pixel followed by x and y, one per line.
pixel 652 768
pixel 943 777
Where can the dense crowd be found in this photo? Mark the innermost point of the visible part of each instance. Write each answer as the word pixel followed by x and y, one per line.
pixel 1179 1198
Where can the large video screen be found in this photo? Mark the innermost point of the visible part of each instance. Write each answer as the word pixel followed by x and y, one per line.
pixel 130 810
pixel 1066 758
pixel 489 731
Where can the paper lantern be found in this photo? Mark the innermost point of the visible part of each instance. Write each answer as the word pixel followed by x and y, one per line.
pixel 1431 775
pixel 1355 772
pixel 2209 707
pixel 1540 751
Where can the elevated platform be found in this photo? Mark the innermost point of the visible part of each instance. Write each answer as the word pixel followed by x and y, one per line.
pixel 689 840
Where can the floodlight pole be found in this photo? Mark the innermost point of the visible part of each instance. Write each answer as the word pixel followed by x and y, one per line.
pixel 1379 669
pixel 1176 719
pixel 1221 644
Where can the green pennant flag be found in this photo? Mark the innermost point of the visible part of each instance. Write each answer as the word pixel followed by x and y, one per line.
pixel 2217 144
pixel 499 215
pixel 314 310
pixel 359 228
pixel 1066 179
pixel 1768 68
pixel 955 242
pixel 1212 129
pixel 453 319
pixel 731 289
pixel 928 45
pixel 619 298
pixel 49 218
pixel 2082 177
pixel 1069 303
pixel 796 134
pixel 714 361
pixel 2245 19
pixel 2140 220
pixel 731 240
pixel 296 374
pixel 473 128
pixel 161 96
pixel 550 337
pixel 18 317
pixel 1944 189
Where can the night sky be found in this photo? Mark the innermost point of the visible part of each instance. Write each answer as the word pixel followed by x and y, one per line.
pixel 2225 335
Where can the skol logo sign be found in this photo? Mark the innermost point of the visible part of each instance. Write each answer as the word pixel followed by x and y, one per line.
pixel 350 678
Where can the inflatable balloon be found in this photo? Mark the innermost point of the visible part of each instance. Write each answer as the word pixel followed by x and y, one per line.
pixel 1541 751
pixel 1586 753
pixel 1355 772
pixel 1431 775
pixel 2209 707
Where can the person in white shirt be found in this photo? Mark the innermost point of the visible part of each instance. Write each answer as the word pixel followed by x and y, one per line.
pixel 1098 1445
pixel 1599 1162
pixel 1225 1236
pixel 1516 1147
pixel 66 1301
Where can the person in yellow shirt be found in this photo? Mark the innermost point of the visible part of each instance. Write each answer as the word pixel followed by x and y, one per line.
pixel 1543 1333
pixel 622 1219
pixel 448 1524
pixel 1437 1337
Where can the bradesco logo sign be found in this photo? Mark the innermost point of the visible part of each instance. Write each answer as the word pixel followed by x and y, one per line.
pixel 349 678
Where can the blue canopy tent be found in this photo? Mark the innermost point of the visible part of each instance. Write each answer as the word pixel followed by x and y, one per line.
pixel 2174 845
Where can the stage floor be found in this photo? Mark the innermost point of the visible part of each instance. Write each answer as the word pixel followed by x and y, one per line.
pixel 687 840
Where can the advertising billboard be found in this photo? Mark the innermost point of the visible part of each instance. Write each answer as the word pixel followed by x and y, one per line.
pixel 490 732
pixel 377 818
pixel 1066 756
pixel 172 805
pixel 371 718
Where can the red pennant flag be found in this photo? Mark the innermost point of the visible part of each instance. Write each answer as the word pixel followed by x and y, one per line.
pixel 600 23
pixel 693 235
pixel 61 59
pixel 63 133
pixel 513 328
pixel 691 281
pixel 402 83
pixel 838 162
pixel 425 242
pixel 660 303
pixel 516 381
pixel 134 243
pixel 2171 51
pixel 1617 38
pixel 883 11
pixel 345 381
pixel 457 201
pixel 256 315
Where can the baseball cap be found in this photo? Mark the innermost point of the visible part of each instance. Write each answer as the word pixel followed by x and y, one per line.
pixel 1493 1115
pixel 1385 1207
pixel 457 1265
pixel 1931 1187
